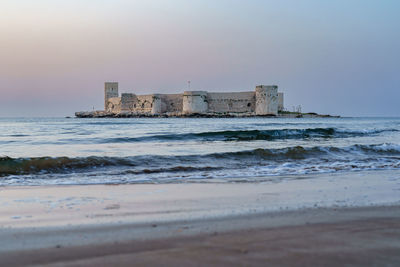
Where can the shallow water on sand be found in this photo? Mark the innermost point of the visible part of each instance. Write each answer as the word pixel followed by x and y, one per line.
pixel 39 151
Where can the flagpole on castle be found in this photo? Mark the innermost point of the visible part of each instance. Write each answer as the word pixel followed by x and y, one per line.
pixel 188 85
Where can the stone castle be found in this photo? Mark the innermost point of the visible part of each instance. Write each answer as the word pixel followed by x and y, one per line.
pixel 264 100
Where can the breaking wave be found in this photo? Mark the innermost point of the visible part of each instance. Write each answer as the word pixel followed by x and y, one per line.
pixel 250 135
pixel 202 163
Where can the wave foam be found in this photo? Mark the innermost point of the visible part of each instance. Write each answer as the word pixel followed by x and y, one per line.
pixel 209 162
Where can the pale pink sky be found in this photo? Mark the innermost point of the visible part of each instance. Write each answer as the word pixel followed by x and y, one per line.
pixel 336 57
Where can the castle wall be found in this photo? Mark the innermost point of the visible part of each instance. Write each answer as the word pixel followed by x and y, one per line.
pixel 155 103
pixel 231 102
pixel 132 103
pixel 144 104
pixel 172 103
pixel 127 102
pixel 114 105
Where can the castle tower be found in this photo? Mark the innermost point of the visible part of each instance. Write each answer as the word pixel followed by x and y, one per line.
pixel 266 100
pixel 157 104
pixel 195 102
pixel 281 107
pixel 110 90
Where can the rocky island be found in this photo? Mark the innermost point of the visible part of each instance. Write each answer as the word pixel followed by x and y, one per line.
pixel 264 101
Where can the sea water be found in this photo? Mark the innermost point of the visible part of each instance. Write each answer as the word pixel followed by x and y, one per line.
pixel 48 151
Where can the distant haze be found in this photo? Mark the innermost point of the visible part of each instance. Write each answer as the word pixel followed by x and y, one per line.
pixel 338 57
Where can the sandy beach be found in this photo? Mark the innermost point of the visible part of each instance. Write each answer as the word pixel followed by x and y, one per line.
pixel 335 219
pixel 322 237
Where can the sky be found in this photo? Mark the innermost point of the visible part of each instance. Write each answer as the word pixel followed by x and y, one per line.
pixel 333 57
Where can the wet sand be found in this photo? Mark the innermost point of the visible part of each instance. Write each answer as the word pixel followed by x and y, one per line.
pixel 315 237
pixel 329 221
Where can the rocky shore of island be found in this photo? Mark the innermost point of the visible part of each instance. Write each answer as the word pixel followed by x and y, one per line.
pixel 284 114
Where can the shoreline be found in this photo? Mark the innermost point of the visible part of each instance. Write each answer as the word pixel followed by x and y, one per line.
pixel 52 205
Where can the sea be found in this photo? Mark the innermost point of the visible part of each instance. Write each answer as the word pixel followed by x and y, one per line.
pixel 77 151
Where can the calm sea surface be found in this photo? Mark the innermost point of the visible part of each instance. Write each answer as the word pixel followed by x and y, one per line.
pixel 37 151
